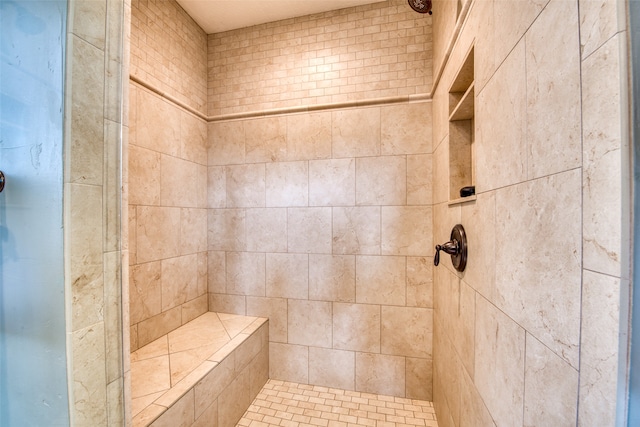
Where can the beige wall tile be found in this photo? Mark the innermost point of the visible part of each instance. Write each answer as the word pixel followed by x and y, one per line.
pixel 201 186
pixel 216 187
pixel 280 280
pixel 553 91
pixel 145 291
pixel 356 230
pixel 309 323
pixel 441 168
pixel 174 190
pixel 85 255
pixel 203 275
pixel 598 350
pixel 180 414
pixel 216 272
pixel 602 134
pixel 247 350
pixel 406 129
pixel 473 411
pixel 133 246
pixel 356 327
pixel 319 152
pixel 192 239
pixel 144 176
pixel 447 380
pixel 420 282
pixel 157 224
pixel 518 127
pixel 266 139
pixel 500 149
pixel 226 143
pixel 259 370
pixel 361 53
pixel 195 308
pixel 406 331
pixel 550 387
pixel 154 327
pixel 546 205
pixel 464 325
pixel 309 230
pixel 158 124
pixel 287 184
pixel 332 182
pixel 179 280
pixel 276 310
pixel 223 303
pixel 266 229
pixel 234 401
pixel 86 113
pixel 419 179
pixel 479 220
pixel 381 180
pixel 245 186
pixel 246 273
pixel 332 368
pixel 96 223
pixel 193 138
pixel 599 21
pixel 499 363
pixel 209 417
pixel 356 132
pixel 407 230
pixel 226 230
pixel 309 136
pixel 88 22
pixel 515 22
pixel 183 74
pixel 380 373
pixel 419 378
pixel 332 278
pixel 90 396
pixel 289 362
pixel 381 280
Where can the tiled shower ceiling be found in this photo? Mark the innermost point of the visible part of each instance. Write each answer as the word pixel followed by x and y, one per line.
pixel 216 16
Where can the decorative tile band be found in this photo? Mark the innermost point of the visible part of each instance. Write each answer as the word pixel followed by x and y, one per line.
pixel 286 110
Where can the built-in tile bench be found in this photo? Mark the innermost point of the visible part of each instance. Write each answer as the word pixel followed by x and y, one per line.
pixel 207 372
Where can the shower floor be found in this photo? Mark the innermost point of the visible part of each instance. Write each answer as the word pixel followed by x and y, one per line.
pixel 286 404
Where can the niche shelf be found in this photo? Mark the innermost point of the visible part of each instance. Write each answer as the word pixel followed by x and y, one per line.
pixel 461 130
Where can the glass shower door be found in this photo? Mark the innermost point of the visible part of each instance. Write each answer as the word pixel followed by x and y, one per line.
pixel 33 363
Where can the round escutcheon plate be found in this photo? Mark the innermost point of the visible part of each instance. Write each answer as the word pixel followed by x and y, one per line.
pixel 459 260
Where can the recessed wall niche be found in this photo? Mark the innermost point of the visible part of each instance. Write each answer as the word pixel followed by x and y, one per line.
pixel 461 129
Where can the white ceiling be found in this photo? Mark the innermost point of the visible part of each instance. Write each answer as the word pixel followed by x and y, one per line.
pixel 215 16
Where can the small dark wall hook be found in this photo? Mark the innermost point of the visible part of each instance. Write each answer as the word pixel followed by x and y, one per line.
pixel 456 247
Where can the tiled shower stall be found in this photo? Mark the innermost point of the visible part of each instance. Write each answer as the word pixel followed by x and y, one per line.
pixel 319 220
pixel 300 171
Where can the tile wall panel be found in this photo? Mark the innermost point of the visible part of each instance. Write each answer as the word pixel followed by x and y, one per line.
pixel 358 53
pixel 346 282
pixel 168 180
pixel 295 212
pixel 515 340
pixel 94 190
pixel 169 51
